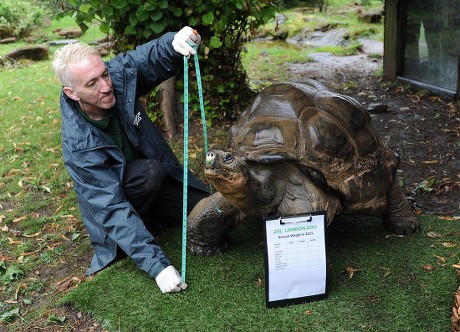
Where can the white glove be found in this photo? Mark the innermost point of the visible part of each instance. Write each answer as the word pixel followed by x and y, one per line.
pixel 169 280
pixel 183 38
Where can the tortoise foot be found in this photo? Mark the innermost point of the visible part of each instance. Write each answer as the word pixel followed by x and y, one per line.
pixel 402 225
pixel 399 216
pixel 207 250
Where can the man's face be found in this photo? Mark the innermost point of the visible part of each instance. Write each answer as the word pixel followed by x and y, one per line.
pixel 91 85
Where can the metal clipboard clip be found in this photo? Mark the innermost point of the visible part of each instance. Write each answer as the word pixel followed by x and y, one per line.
pixel 296 219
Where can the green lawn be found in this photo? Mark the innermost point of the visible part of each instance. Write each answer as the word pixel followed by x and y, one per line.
pixel 390 289
pixel 43 243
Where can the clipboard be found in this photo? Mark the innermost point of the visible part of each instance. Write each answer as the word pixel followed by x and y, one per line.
pixel 295 259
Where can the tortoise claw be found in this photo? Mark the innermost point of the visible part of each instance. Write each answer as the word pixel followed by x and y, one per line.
pixel 207 250
pixel 402 225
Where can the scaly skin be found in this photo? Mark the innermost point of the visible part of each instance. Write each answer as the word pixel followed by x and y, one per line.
pixel 261 189
pixel 300 147
pixel 398 216
pixel 209 223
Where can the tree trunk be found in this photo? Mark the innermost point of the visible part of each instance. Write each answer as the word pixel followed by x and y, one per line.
pixel 168 105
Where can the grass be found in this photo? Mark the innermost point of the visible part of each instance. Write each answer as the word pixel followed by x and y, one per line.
pixel 389 290
pixel 272 59
pixel 266 62
pixel 39 218
pixel 36 204
pixel 44 249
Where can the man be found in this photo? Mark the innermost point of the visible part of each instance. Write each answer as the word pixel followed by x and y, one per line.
pixel 125 175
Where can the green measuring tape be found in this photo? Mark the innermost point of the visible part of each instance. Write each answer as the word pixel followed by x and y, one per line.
pixel 205 135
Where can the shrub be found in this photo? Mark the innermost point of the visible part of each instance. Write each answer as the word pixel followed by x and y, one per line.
pixel 221 23
pixel 19 18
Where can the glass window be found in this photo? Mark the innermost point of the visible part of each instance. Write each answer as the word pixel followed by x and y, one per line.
pixel 432 42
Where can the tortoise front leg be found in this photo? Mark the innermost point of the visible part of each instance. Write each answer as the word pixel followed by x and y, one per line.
pixel 398 216
pixel 209 224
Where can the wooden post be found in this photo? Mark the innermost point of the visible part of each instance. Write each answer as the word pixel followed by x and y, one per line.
pixel 391 44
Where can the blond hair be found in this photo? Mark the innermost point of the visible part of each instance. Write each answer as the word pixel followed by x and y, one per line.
pixel 70 53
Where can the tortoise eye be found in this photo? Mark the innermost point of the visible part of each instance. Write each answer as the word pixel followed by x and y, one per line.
pixel 228 158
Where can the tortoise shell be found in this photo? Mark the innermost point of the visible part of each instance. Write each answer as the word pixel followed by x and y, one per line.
pixel 329 135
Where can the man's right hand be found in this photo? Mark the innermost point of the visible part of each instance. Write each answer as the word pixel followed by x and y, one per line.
pixel 182 39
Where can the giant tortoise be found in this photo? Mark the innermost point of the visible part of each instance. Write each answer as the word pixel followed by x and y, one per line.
pixel 299 148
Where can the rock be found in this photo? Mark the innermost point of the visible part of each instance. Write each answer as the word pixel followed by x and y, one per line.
pixel 62 42
pixel 371 46
pixel 8 40
pixel 377 108
pixel 69 33
pixel 320 38
pixel 30 40
pixel 263 54
pixel 370 17
pixel 38 52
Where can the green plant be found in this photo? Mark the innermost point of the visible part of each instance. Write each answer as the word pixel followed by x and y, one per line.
pixel 265 62
pixel 19 18
pixel 221 23
pixel 9 316
pixel 9 274
pixel 426 186
pixel 379 73
pixel 350 49
pixel 350 85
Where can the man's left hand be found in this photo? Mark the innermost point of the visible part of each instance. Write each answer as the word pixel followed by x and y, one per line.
pixel 182 39
pixel 170 281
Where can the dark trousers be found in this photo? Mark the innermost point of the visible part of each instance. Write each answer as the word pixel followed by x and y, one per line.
pixel 155 196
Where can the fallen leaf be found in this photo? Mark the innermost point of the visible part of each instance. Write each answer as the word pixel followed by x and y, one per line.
pixel 351 271
pixel 32 235
pixel 75 236
pixel 19 219
pixel 11 241
pixel 386 272
pixel 449 244
pixel 428 267
pixel 23 285
pixel 442 259
pixel 56 319
pixel 449 218
pixel 433 234
pixel 67 284
pixel 394 235
pixel 58 209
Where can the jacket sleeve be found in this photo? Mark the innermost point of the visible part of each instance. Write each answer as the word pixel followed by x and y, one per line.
pixel 98 182
pixel 155 62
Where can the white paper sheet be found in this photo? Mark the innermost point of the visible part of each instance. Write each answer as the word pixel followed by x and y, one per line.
pixel 295 257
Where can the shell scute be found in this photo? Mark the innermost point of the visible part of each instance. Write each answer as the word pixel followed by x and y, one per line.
pixel 328 134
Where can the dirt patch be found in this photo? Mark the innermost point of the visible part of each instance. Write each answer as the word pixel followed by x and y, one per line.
pixel 423 129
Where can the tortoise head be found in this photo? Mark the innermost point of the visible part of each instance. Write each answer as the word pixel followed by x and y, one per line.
pixel 227 172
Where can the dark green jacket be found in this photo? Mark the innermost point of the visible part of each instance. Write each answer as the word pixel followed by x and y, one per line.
pixel 97 166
